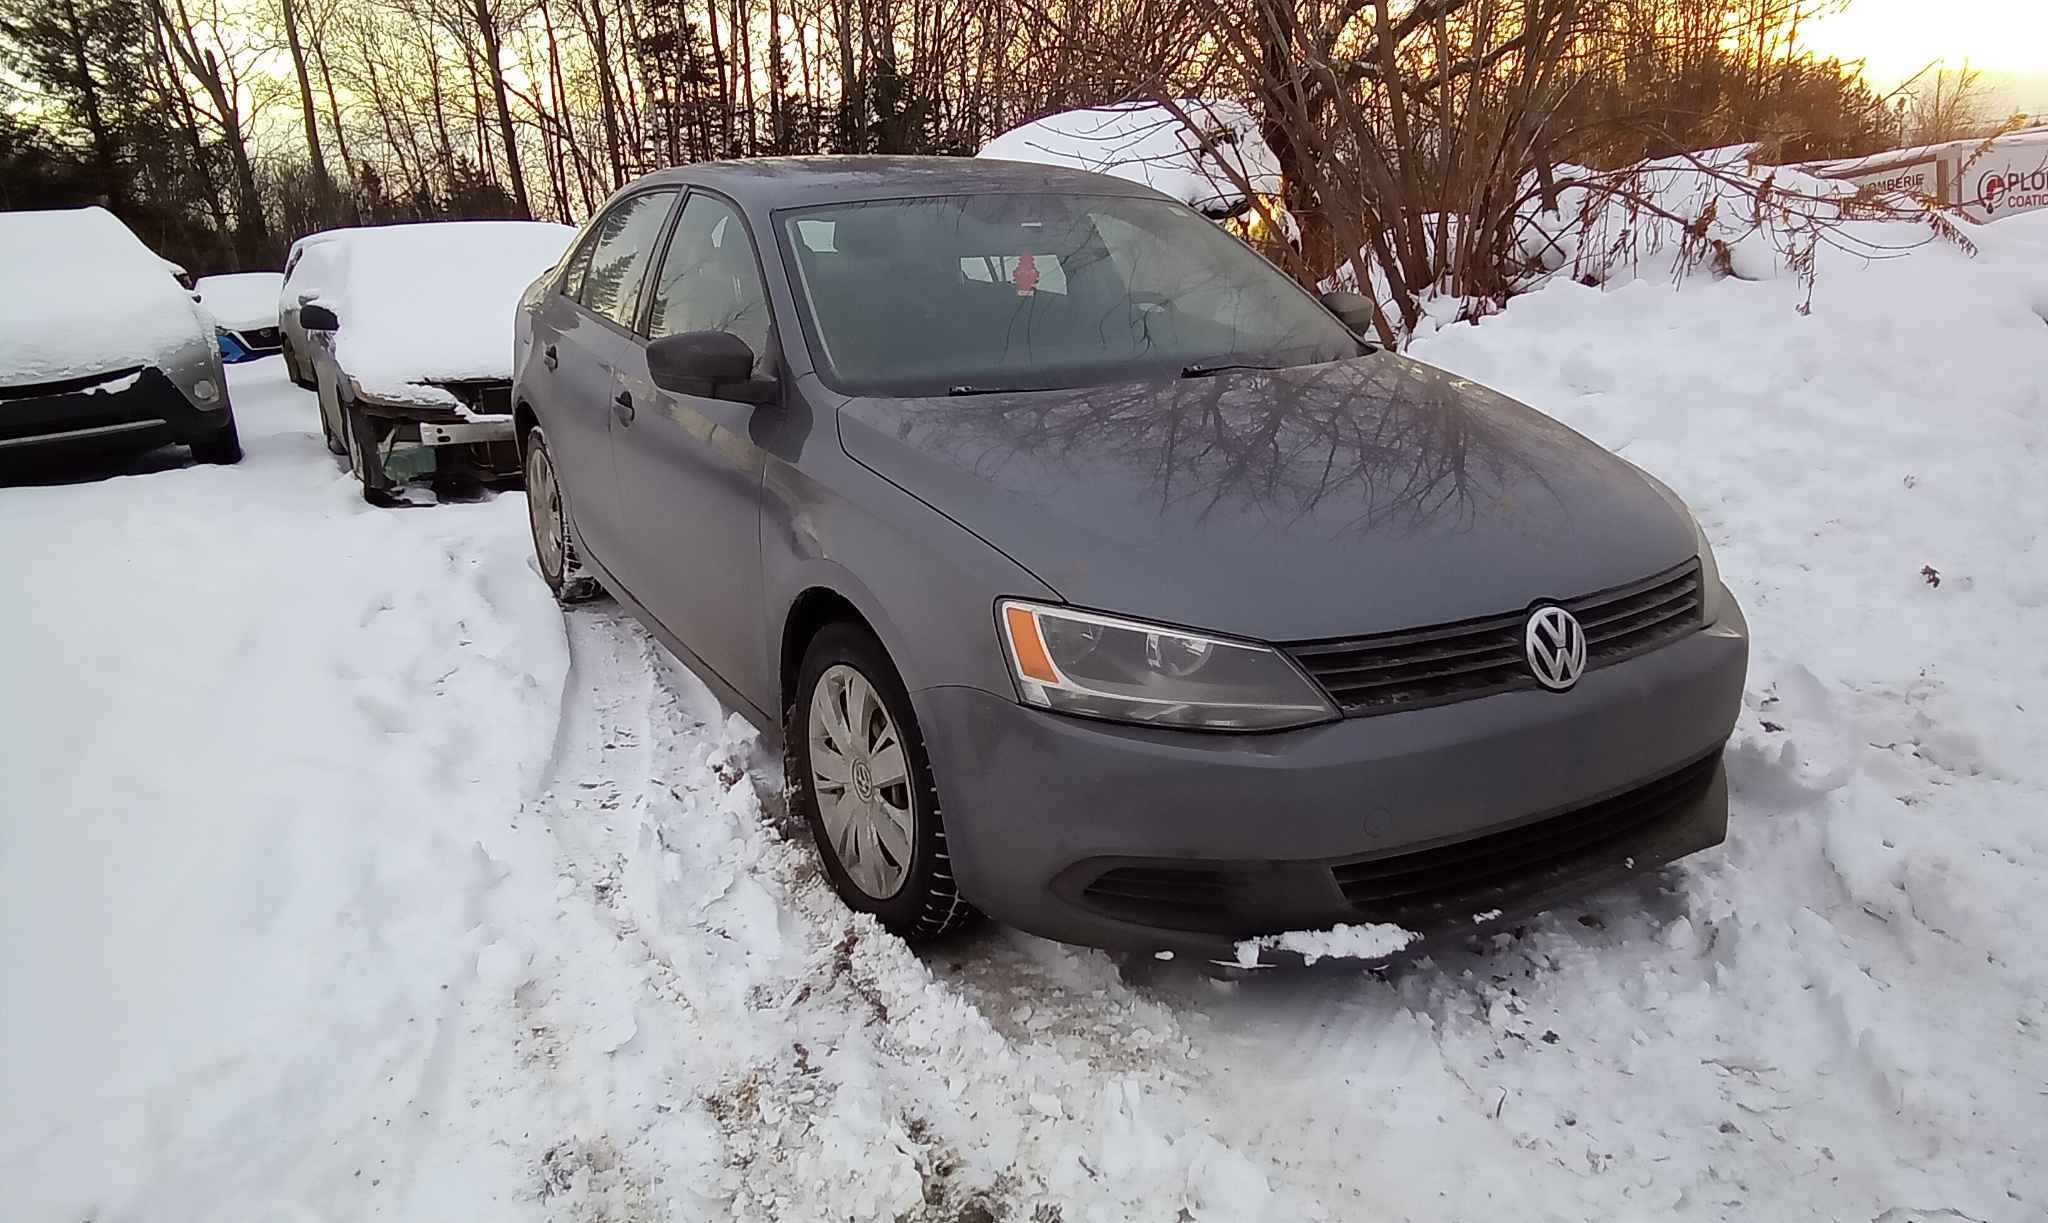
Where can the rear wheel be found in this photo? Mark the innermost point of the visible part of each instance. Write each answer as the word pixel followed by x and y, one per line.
pixel 554 539
pixel 291 369
pixel 865 785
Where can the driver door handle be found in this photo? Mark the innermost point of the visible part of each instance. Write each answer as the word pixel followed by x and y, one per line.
pixel 622 407
pixel 550 358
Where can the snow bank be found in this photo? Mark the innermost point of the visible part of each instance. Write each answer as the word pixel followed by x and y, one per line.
pixel 1706 214
pixel 433 302
pixel 264 749
pixel 83 295
pixel 1146 143
pixel 1710 213
pixel 242 301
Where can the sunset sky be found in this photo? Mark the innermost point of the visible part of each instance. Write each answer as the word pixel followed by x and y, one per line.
pixel 2008 39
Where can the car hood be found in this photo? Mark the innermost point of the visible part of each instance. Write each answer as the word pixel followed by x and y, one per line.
pixel 87 297
pixel 1343 499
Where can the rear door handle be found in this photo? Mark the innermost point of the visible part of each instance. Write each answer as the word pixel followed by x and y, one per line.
pixel 550 358
pixel 622 407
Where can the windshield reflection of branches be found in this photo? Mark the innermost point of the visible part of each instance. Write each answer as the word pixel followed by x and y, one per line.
pixel 1036 289
pixel 1400 449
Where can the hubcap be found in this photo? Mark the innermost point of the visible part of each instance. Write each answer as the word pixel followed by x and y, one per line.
pixel 861 779
pixel 544 511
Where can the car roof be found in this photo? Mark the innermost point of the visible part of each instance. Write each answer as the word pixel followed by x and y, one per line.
pixel 770 183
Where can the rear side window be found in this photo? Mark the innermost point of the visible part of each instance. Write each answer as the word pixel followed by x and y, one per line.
pixel 709 280
pixel 605 274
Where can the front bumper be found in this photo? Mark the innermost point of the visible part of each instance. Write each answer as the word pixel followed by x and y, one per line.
pixel 416 438
pixel 1125 837
pixel 144 409
pixel 248 343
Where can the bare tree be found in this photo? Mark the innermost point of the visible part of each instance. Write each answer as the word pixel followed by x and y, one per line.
pixel 1945 105
pixel 214 53
pixel 323 185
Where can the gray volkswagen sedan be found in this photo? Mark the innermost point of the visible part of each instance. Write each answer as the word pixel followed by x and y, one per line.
pixel 1097 577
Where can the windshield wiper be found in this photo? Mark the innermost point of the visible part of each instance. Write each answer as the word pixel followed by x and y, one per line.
pixel 970 389
pixel 1207 371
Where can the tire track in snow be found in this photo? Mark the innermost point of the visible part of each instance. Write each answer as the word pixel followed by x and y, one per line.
pixel 772 1055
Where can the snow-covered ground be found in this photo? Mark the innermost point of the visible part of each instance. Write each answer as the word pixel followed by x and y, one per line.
pixel 342 875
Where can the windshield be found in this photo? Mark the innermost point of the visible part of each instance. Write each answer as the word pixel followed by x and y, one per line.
pixel 967 293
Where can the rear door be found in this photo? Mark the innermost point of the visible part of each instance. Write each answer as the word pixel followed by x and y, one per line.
pixel 689 469
pixel 582 333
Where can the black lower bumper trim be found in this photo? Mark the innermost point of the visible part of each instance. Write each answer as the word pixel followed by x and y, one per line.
pixel 147 411
pixel 1470 883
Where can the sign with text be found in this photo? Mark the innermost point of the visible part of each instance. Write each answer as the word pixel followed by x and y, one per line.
pixel 1920 178
pixel 2006 180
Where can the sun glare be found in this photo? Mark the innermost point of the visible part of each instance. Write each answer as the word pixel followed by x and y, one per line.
pixel 1897 38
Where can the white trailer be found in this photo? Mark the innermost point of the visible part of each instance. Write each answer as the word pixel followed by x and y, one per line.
pixel 1986 182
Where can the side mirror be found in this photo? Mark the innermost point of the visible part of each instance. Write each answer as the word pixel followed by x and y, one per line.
pixel 1354 310
pixel 711 364
pixel 318 318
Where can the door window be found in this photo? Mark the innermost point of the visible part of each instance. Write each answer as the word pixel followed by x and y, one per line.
pixel 709 280
pixel 606 274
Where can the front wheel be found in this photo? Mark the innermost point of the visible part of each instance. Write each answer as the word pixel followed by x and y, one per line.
pixel 364 439
pixel 224 446
pixel 866 787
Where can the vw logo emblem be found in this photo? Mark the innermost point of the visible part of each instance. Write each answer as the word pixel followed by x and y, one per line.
pixel 1556 647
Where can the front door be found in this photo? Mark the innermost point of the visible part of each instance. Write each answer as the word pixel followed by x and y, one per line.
pixel 689 473
pixel 583 335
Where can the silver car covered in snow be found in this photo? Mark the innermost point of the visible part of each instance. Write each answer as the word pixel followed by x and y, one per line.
pixel 100 348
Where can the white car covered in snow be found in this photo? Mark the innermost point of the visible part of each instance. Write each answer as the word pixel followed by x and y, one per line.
pixel 99 348
pixel 244 309
pixel 1210 155
pixel 409 337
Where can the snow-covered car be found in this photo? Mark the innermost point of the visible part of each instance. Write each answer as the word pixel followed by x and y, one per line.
pixel 410 341
pixel 307 269
pixel 1206 161
pixel 244 309
pixel 99 348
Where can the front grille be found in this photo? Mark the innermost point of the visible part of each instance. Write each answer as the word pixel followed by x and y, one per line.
pixel 1473 658
pixel 261 337
pixel 65 386
pixel 1161 895
pixel 1387 886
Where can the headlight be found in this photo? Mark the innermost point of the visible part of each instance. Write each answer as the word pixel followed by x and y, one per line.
pixel 1128 671
pixel 1710 570
pixel 1710 577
